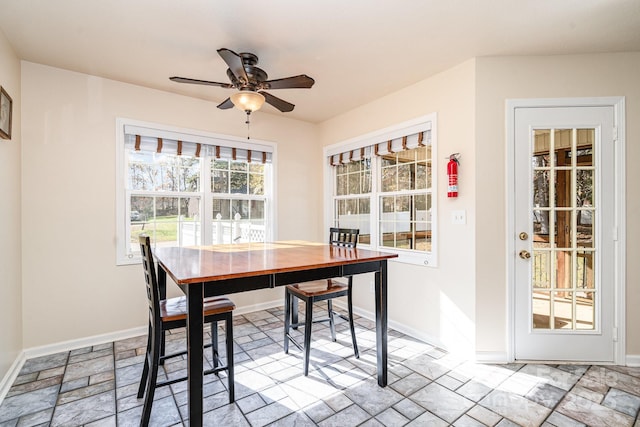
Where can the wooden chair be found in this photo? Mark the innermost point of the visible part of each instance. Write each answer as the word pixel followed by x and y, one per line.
pixel 320 290
pixel 167 314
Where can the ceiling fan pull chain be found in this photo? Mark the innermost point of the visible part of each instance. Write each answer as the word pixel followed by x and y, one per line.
pixel 248 125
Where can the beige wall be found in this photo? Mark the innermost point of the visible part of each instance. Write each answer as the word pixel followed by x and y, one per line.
pixel 71 285
pixel 498 79
pixel 436 303
pixel 10 239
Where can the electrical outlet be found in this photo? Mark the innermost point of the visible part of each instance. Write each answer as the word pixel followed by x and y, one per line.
pixel 458 217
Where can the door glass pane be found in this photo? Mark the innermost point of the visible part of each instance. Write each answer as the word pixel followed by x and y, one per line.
pixel 541 310
pixel 541 188
pixel 585 228
pixel 563 188
pixel 563 269
pixel 563 229
pixel 585 270
pixel 584 147
pixel 584 190
pixel 585 310
pixel 562 143
pixel 541 274
pixel 541 147
pixel 563 310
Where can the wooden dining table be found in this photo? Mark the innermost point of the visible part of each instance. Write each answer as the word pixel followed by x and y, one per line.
pixel 205 271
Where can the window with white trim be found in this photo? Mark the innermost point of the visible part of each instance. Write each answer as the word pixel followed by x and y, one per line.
pixel 384 185
pixel 187 188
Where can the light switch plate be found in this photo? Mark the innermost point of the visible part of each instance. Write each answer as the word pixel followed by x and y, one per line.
pixel 458 217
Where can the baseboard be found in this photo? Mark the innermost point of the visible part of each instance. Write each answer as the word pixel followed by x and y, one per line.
pixel 11 375
pixel 494 357
pixel 257 307
pixel 632 360
pixel 84 342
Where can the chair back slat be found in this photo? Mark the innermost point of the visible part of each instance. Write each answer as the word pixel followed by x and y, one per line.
pixel 343 237
pixel 153 292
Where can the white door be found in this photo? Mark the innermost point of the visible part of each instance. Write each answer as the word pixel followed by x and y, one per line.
pixel 564 271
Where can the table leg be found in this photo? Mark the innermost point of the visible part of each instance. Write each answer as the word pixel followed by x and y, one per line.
pixel 381 322
pixel 195 297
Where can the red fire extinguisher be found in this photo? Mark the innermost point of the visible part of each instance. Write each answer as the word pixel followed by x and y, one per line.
pixel 452 172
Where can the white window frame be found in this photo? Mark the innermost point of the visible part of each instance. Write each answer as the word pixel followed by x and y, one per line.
pixel 122 205
pixel 410 127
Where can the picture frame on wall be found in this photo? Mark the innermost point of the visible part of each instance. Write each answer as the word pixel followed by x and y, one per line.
pixel 6 109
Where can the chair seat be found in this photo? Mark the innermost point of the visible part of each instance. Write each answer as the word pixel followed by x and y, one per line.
pixel 317 288
pixel 176 308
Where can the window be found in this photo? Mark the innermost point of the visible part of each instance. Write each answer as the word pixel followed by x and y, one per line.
pixel 386 180
pixel 187 188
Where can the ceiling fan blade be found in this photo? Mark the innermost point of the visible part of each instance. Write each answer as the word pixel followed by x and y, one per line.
pixel 234 61
pixel 302 81
pixel 200 82
pixel 280 104
pixel 226 104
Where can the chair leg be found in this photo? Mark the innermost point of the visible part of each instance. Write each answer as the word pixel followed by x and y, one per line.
pixel 214 343
pixel 332 325
pixel 152 378
pixel 145 368
pixel 230 364
pixel 294 312
pixel 308 321
pixel 163 343
pixel 287 320
pixel 353 329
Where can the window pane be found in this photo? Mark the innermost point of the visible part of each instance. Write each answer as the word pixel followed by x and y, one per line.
pixel 220 181
pixel 256 168
pixel 389 179
pixel 406 176
pixel 366 182
pixel 341 185
pixel 190 177
pixel 221 207
pixel 238 166
pixel 221 164
pixel 238 182
pixel 257 210
pixel 256 183
pixel 422 172
pixel 354 183
pixel 241 208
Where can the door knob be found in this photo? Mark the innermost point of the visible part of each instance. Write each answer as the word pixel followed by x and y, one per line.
pixel 525 254
pixel 523 236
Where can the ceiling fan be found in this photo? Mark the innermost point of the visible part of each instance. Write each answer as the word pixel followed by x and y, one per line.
pixel 251 83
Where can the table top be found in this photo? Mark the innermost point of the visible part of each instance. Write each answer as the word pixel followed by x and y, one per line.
pixel 220 262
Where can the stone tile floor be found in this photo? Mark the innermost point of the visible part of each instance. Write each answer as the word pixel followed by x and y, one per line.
pixel 96 386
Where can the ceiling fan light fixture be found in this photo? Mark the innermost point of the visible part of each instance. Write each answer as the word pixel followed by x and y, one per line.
pixel 247 101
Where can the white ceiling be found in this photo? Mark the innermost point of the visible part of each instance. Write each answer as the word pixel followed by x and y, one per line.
pixel 356 50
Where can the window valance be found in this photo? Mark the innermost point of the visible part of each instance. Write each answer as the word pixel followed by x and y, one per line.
pixel 141 139
pixel 388 146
